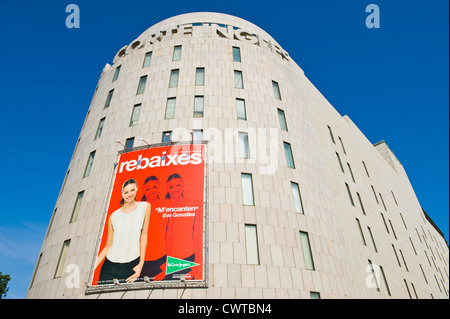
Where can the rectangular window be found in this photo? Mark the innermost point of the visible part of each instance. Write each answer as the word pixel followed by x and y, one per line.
pixel 282 120
pixel 314 295
pixel 129 142
pixel 395 199
pixel 90 161
pixel 108 99
pixel 342 144
pixel 251 244
pixel 423 273
pixel 166 137
pixel 384 221
pixel 351 172
pixel 197 136
pixel 173 82
pixel 100 128
pixel 147 59
pixel 392 227
pixel 141 86
pixel 289 156
pixel 236 54
pixel 276 90
pixel 407 288
pixel 373 240
pixel 116 74
pixel 170 108
pixel 375 194
pixel 374 277
pixel 350 194
pixel 76 207
pixel 238 80
pixel 198 106
pixel 404 261
pixel 297 198
pixel 200 76
pixel 365 168
pixel 361 203
pixel 240 108
pixel 62 259
pixel 361 232
pixel 176 53
pixel 340 162
pixel 382 201
pixel 247 190
pixel 331 134
pixel 306 247
pixel 243 145
pixel 135 115
pixel 396 255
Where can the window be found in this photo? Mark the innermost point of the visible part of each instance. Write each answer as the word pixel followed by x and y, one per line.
pixel 100 128
pixel 314 295
pixel 375 194
pixel 372 271
pixel 351 172
pixel 331 134
pixel 173 82
pixel 395 199
pixel 198 106
pixel 423 273
pixel 282 120
pixel 412 244
pixel 288 153
pixel 407 288
pixel 200 76
pixel 360 203
pixel 87 170
pixel 135 115
pixel 384 221
pixel 238 80
pixel 129 143
pixel 350 194
pixel 108 99
pixel 35 270
pixel 361 232
pixel 247 190
pixel 306 247
pixel 276 90
pixel 297 198
pixel 170 108
pixel 243 145
pixel 236 54
pixel 373 240
pixel 251 245
pixel 147 59
pixel 392 227
pixel 241 111
pixel 76 207
pixel 176 53
pixel 62 259
pixel 365 168
pixel 141 86
pixel 396 256
pixel 166 137
pixel 404 261
pixel 340 163
pixel 197 136
pixel 385 281
pixel 342 144
pixel 382 201
pixel 116 74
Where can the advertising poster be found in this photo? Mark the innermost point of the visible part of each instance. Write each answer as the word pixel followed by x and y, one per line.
pixel 153 229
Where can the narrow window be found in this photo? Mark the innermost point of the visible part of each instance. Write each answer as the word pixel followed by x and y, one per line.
pixel 340 162
pixel 404 261
pixel 116 74
pixel 173 82
pixel 240 108
pixel 382 201
pixel 100 128
pixel 129 142
pixel 276 90
pixel 373 275
pixel 404 224
pixel 236 54
pixel 166 137
pixel 423 273
pixel 412 244
pixel 306 247
pixel 238 80
pixel 385 281
pixel 361 203
pixel 243 145
pixel 64 183
pixel 289 156
pixel 200 76
pixel 351 172
pixel 76 207
pixel 373 240
pixel 385 224
pixel 314 295
pixel 90 161
pixel 247 190
pixel 176 53
pixel 297 198
pixel 331 134
pixel 251 244
pixel 395 199
pixel 197 136
pixel 365 168
pixel 407 288
pixel 396 256
pixel 342 144
pixel 392 227
pixel 35 270
pixel 147 59
pixel 62 259
pixel 170 108
pixel 108 99
pixel 375 194
pixel 361 232
pixel 198 106
pixel 135 115
pixel 141 86
pixel 414 290
pixel 282 120
pixel 350 194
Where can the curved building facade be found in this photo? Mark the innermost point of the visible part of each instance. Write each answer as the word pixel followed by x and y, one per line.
pixel 297 202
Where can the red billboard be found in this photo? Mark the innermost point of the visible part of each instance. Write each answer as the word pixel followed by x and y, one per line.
pixel 153 230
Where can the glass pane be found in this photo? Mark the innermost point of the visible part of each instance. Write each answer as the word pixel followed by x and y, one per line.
pixel 76 208
pixel 297 198
pixel 87 171
pixel 141 86
pixel 276 90
pixel 197 135
pixel 241 113
pixel 174 78
pixel 251 242
pixel 108 99
pixel 238 83
pixel 309 263
pixel 200 76
pixel 116 74
pixel 198 106
pixel 135 115
pixel 147 59
pixel 282 120
pixel 62 259
pixel 289 158
pixel 170 108
pixel 236 54
pixel 247 190
pixel 176 53
pixel 243 145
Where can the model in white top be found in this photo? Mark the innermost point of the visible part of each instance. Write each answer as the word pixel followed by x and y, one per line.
pixel 127 231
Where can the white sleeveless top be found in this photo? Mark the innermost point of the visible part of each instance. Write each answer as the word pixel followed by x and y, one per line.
pixel 127 234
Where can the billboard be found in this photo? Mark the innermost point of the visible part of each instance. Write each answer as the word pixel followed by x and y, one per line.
pixel 153 229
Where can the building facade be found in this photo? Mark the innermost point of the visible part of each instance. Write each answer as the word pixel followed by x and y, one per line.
pixel 299 204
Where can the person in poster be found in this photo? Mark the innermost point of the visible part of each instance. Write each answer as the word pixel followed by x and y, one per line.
pixel 124 252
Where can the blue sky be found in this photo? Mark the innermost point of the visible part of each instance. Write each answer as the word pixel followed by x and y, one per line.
pixel 392 82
